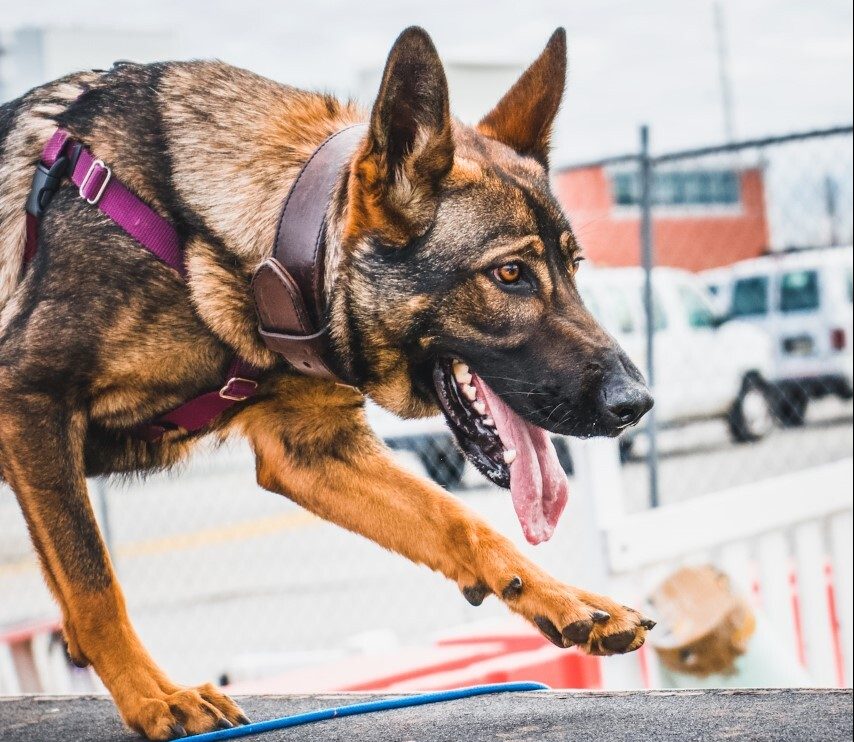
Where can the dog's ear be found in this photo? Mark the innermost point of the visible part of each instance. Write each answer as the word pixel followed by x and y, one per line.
pixel 523 118
pixel 409 148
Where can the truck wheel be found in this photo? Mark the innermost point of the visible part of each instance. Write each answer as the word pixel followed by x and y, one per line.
pixel 563 455
pixel 626 445
pixel 790 406
pixel 751 417
pixel 444 462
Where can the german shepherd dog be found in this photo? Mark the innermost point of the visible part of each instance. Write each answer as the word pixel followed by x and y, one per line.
pixel 451 286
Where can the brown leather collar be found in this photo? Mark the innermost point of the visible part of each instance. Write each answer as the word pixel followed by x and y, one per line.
pixel 288 287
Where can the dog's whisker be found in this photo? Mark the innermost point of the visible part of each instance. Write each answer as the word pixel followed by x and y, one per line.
pixel 507 378
pixel 555 409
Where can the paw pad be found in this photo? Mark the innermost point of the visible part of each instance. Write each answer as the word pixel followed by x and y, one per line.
pixel 578 632
pixel 476 593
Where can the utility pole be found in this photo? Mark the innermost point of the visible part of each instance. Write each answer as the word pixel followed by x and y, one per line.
pixel 831 199
pixel 723 70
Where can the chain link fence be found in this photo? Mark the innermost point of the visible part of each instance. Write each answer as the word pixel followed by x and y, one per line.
pixel 739 259
pixel 748 297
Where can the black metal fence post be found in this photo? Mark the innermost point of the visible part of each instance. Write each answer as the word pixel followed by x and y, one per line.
pixel 648 260
pixel 98 487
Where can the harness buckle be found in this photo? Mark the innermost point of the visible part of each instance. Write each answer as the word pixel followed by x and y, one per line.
pixel 46 182
pixel 90 173
pixel 238 389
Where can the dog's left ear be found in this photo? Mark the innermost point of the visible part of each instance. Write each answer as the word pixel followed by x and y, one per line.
pixel 409 148
pixel 523 118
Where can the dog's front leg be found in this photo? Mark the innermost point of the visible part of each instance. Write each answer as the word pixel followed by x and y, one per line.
pixel 331 464
pixel 41 454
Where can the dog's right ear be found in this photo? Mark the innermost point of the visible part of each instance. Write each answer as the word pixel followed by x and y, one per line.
pixel 409 148
pixel 523 118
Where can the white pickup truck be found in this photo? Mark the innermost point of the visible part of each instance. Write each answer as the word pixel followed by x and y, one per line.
pixel 704 368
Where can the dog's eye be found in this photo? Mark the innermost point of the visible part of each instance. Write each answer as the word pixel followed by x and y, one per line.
pixel 577 260
pixel 508 273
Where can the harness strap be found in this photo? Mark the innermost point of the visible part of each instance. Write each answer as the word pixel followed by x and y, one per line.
pixel 64 157
pixel 200 411
pixel 97 186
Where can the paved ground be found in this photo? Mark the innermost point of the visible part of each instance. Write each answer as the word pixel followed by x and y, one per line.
pixel 222 577
pixel 757 716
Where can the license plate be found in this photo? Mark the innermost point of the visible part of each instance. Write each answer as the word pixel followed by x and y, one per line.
pixel 799 346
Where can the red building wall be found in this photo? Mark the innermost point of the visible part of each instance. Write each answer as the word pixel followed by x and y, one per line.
pixel 694 237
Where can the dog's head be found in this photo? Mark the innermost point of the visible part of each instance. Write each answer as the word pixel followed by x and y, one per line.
pixel 459 271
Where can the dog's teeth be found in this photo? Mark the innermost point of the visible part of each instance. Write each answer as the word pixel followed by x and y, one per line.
pixel 461 373
pixel 480 407
pixel 469 391
pixel 509 456
pixel 489 422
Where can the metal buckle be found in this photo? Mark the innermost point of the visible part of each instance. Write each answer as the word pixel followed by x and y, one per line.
pixel 227 393
pixel 46 182
pixel 86 178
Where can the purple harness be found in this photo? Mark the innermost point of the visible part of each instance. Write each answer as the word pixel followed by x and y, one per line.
pixel 64 157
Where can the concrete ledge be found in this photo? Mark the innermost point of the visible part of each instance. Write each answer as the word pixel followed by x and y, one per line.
pixel 790 715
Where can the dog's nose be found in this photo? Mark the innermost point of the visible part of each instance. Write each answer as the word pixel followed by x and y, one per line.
pixel 623 401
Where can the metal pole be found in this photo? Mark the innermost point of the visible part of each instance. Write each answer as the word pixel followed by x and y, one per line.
pixel 648 260
pixel 99 492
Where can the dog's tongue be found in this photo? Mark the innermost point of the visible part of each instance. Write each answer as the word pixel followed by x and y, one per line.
pixel 538 484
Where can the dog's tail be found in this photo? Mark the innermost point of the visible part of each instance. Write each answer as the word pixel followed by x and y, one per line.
pixel 26 123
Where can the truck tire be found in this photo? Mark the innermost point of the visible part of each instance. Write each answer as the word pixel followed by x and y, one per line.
pixel 626 445
pixel 563 455
pixel 752 415
pixel 790 406
pixel 444 462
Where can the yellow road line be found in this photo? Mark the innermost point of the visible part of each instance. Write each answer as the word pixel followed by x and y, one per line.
pixel 248 529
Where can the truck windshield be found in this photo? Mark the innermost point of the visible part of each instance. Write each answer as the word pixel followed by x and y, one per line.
pixel 750 297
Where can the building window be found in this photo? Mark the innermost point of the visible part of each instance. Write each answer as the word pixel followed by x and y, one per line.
pixel 689 188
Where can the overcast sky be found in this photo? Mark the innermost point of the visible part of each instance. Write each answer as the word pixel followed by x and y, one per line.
pixel 630 62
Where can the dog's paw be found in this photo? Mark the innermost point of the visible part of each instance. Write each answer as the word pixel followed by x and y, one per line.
pixel 570 617
pixel 183 712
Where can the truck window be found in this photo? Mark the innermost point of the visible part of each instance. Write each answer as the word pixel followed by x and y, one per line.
pixel 623 313
pixel 750 297
pixel 659 314
pixel 696 309
pixel 799 291
pixel 589 301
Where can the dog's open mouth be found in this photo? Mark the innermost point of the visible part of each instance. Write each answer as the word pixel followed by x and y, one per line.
pixel 505 448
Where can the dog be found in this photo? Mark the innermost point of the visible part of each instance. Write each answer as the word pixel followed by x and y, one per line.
pixel 450 271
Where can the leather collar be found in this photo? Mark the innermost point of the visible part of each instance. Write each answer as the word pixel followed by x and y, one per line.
pixel 288 287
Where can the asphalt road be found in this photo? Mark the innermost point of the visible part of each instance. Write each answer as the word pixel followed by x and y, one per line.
pixel 223 577
pixel 756 715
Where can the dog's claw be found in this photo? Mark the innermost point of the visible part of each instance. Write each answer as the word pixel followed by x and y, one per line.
pixel 600 616
pixel 513 589
pixel 177 731
pixel 243 719
pixel 224 724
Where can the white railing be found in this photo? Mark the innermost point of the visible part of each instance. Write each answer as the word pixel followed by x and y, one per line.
pixel 785 541
pixel 33 660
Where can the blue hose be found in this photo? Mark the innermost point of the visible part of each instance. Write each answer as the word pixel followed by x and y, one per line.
pixel 364 708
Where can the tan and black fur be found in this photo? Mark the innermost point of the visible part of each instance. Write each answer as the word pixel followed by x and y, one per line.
pixel 98 336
